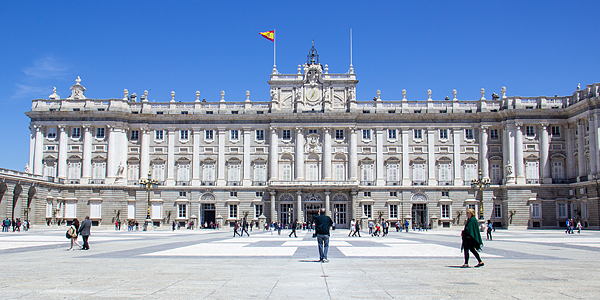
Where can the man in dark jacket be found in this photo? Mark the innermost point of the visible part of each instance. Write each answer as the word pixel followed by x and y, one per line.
pixel 322 225
pixel 84 231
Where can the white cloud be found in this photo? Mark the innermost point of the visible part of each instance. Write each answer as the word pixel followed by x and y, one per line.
pixel 28 91
pixel 46 67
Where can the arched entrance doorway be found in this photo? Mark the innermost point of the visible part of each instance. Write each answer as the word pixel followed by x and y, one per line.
pixel 419 211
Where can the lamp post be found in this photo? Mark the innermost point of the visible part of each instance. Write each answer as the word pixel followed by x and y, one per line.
pixel 480 184
pixel 148 184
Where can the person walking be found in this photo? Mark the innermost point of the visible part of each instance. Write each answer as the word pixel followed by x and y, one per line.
pixel 84 231
pixel 73 233
pixel 244 227
pixel 578 227
pixel 357 229
pixel 371 225
pixel 173 225
pixel 471 239
pixel 385 225
pixel 322 225
pixel 489 230
pixel 406 225
pixel 352 227
pixel 294 225
pixel 236 226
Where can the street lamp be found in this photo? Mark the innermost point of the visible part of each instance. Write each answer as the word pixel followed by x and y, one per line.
pixel 480 184
pixel 148 184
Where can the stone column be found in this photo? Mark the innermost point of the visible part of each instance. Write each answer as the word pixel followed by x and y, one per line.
pixel 483 152
pixel 546 175
pixel 62 153
pixel 221 158
pixel 596 128
pixel 113 153
pixel 593 150
pixel 247 180
pixel 431 156
pixel 327 204
pixel 457 160
pixel 519 163
pixel 581 148
pixel 353 159
pixel 273 156
pixel 196 158
pixel 299 154
pixel 31 148
pixel 273 210
pixel 124 148
pixel 510 170
pixel 86 174
pixel 379 157
pixel 405 159
pixel 145 153
pixel 327 153
pixel 354 210
pixel 171 158
pixel 299 207
pixel 38 166
pixel 570 161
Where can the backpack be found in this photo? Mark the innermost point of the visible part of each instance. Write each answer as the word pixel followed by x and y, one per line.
pixel 71 233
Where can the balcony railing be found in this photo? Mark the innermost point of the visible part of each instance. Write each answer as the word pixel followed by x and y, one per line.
pixel 496 181
pixel 234 183
pixel 72 181
pixel 419 182
pixel 97 181
pixel 367 182
pixel 182 183
pixel 259 183
pixel 445 182
pixel 133 182
pixel 583 178
pixel 208 182
pixel 561 180
pixel 308 183
pixel 392 182
pixel 532 181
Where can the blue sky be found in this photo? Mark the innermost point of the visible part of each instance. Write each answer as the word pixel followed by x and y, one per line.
pixel 531 47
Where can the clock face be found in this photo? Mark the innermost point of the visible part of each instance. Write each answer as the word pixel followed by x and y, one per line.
pixel 313 95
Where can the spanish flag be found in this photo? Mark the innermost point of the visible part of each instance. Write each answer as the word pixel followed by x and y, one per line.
pixel 269 35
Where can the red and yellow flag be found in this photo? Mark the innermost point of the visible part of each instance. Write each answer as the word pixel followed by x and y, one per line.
pixel 269 35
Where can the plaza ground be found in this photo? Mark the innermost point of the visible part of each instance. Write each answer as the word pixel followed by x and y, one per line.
pixel 199 264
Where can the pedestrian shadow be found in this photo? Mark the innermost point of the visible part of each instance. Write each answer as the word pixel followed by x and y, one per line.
pixel 311 261
pixel 458 267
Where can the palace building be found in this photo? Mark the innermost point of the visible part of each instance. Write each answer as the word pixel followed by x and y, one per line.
pixel 312 145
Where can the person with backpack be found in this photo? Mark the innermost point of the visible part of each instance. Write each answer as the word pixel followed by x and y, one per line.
pixel 72 233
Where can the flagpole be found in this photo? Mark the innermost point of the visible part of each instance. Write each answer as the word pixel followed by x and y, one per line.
pixel 274 51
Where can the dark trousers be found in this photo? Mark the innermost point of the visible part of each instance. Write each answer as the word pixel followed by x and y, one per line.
pixel 244 230
pixel 357 231
pixel 293 232
pixel 86 246
pixel 469 245
pixel 489 234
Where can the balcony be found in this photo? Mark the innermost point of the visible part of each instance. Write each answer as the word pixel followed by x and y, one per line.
pixel 496 181
pixel 419 182
pixel 97 181
pixel 367 182
pixel 234 183
pixel 392 182
pixel 532 181
pixel 445 182
pixel 259 183
pixel 182 183
pixel 562 180
pixel 133 182
pixel 307 183
pixel 208 183
pixel 583 178
pixel 72 181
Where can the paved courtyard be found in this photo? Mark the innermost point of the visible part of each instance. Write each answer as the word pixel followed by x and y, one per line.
pixel 211 264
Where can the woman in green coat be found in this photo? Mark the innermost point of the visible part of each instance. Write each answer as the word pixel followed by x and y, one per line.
pixel 471 239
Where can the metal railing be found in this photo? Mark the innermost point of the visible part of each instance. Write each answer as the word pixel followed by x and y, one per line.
pixel 133 182
pixel 532 181
pixel 234 183
pixel 419 182
pixel 259 183
pixel 367 182
pixel 445 182
pixel 182 183
pixel 392 182
pixel 96 181
pixel 208 182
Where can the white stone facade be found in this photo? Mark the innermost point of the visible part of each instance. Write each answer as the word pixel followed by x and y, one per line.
pixel 314 145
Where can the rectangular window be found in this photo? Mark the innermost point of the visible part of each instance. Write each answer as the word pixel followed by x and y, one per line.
pixel 95 210
pixel 419 173
pixel 235 135
pixel 260 173
pixel 100 133
pixel 494 134
pixel 418 134
pixel 367 211
pixel 51 133
pixel 158 135
pixel 530 131
pixel 286 134
pixel 562 210
pixel 443 134
pixel 183 135
pixel 311 131
pixel 233 173
pixel 182 211
pixel 260 135
pixel 392 173
pixel 393 194
pixel 183 172
pixel 286 172
pixel 156 210
pixel 339 134
pixel 313 172
pixel 535 211
pixel 182 194
pixel 444 173
pixel 393 211
pixel 470 172
pixel 367 194
pixel 339 211
pixel 158 172
pixel 70 209
pixel 49 209
pixel 558 170
pixel 498 211
pixel 340 173
pixel 445 211
pixel 74 170
pixel 98 170
pixel 532 171
pixel 286 213
pixel 233 211
pixel 496 174
pixel 391 134
pixel 445 193
pixel 209 135
pixel 258 210
pixel 366 134
pixel 135 135
pixel 131 210
pixel 76 133
pixel 208 173
pixel 555 130
pixel 259 194
pixel 232 194
pixel 468 134
pixel 367 173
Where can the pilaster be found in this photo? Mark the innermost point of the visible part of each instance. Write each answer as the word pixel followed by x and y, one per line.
pixel 431 156
pixel 379 157
pixel 326 153
pixel 593 150
pixel 483 152
pixel 353 160
pixel 171 158
pixel 145 153
pixel 273 210
pixel 221 158
pixel 273 156
pixel 196 157
pixel 546 176
pixel 405 159
pixel 299 154
pixel 457 159
pixel 247 180
pixel 519 162
pixel 87 155
pixel 581 148
pixel 62 153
